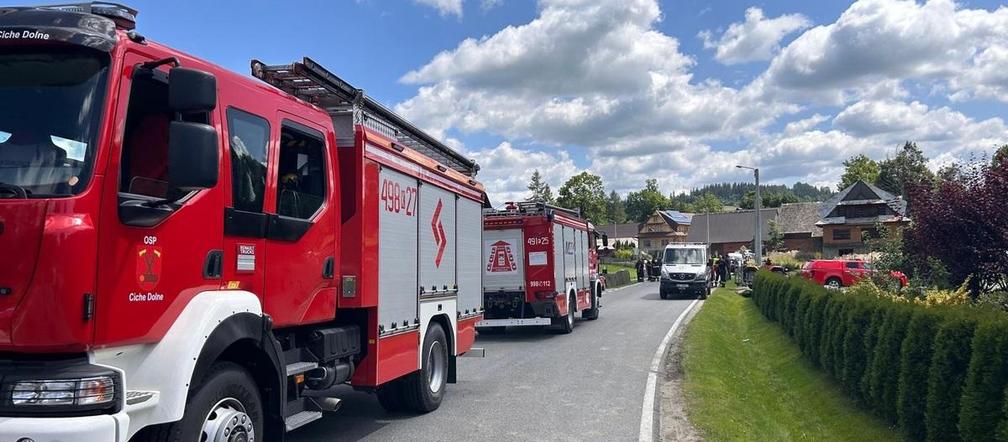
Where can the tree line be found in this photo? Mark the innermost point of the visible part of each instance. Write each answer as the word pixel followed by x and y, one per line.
pixel 587 193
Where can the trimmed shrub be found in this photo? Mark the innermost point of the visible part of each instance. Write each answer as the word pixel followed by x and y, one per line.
pixel 829 325
pixel 885 367
pixel 983 392
pixel 854 355
pixel 953 345
pixel 801 316
pixel 839 332
pixel 875 322
pixel 814 325
pixel 915 362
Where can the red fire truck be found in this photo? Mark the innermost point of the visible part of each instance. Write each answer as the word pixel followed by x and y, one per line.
pixel 191 254
pixel 539 267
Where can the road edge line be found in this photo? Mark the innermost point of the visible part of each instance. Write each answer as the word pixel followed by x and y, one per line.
pixel 650 389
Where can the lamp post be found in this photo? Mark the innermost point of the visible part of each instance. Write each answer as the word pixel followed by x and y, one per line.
pixel 757 234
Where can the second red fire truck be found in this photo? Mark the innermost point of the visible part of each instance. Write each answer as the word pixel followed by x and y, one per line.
pixel 540 267
pixel 189 254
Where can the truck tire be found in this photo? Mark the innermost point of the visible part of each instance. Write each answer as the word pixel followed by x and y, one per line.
pixel 567 322
pixel 390 396
pixel 663 294
pixel 226 400
pixel 591 314
pixel 423 390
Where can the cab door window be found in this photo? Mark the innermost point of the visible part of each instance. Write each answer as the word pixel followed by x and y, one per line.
pixel 144 165
pixel 248 137
pixel 301 174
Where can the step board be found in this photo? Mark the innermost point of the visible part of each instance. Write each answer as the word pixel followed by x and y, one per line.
pixel 301 419
pixel 300 367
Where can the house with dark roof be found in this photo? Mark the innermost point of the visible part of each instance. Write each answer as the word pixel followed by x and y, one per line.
pixel 663 227
pixel 625 233
pixel 850 217
pixel 797 222
pixel 730 231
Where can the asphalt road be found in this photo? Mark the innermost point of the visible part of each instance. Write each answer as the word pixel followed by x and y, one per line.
pixel 533 384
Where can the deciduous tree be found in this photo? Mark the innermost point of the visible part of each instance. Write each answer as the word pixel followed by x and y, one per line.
pixel 585 192
pixel 642 203
pixel 858 167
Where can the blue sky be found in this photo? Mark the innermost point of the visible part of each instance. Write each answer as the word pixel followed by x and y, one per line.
pixel 675 90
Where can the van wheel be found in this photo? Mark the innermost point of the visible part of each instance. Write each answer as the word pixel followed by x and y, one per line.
pixel 423 390
pixel 225 406
pixel 834 283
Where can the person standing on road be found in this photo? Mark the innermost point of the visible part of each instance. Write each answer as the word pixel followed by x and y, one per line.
pixel 640 269
pixel 723 271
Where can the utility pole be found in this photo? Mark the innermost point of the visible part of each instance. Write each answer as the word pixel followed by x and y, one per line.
pixel 757 228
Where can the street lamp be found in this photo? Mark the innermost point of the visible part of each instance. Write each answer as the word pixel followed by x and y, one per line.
pixel 757 234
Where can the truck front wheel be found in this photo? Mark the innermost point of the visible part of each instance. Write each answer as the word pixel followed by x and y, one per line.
pixel 423 390
pixel 224 407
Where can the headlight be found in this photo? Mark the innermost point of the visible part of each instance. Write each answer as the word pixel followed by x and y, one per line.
pixel 664 273
pixel 85 391
pixel 701 277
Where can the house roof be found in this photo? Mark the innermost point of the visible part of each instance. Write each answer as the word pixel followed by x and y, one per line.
pixel 799 218
pixel 861 193
pixel 730 227
pixel 624 230
pixel 676 217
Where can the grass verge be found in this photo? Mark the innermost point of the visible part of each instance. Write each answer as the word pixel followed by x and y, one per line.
pixel 746 380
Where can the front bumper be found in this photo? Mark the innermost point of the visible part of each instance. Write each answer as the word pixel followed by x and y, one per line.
pixel 670 286
pixel 100 428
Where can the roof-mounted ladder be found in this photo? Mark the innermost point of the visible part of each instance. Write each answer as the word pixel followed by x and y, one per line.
pixel 311 82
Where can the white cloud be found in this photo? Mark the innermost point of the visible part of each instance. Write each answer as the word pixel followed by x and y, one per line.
pixel 582 73
pixel 596 86
pixel 505 170
pixel 884 40
pixel 444 7
pixel 756 39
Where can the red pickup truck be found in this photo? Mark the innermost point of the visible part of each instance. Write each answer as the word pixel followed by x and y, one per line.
pixel 836 273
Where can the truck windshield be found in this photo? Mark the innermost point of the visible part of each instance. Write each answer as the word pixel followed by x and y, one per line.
pixel 684 256
pixel 51 103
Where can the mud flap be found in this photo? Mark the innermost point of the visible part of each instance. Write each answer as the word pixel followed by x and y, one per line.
pixel 452 368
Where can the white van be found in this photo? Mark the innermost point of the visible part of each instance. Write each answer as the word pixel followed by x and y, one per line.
pixel 684 271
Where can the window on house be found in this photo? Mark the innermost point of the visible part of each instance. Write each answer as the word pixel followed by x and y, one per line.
pixel 301 187
pixel 867 234
pixel 845 252
pixel 841 234
pixel 248 138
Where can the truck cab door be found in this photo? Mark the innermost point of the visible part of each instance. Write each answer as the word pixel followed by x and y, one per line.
pixel 301 234
pixel 154 255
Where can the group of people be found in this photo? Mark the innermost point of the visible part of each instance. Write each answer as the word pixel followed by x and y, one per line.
pixel 721 268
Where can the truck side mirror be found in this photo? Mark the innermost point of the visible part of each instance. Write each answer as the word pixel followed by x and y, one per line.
pixel 605 240
pixel 191 90
pixel 193 158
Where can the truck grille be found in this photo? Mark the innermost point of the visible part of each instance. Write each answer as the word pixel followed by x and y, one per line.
pixel 682 276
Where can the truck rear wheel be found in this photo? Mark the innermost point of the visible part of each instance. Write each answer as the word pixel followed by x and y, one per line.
pixel 224 407
pixel 422 391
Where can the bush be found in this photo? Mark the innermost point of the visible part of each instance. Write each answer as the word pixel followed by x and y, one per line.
pixel 854 351
pixel 983 392
pixel 875 322
pixel 953 345
pixel 938 369
pixel 885 370
pixel 915 362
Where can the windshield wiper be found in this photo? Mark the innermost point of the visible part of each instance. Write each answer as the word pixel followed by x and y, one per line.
pixel 13 191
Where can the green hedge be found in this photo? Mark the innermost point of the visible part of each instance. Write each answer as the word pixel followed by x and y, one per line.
pixel 940 373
